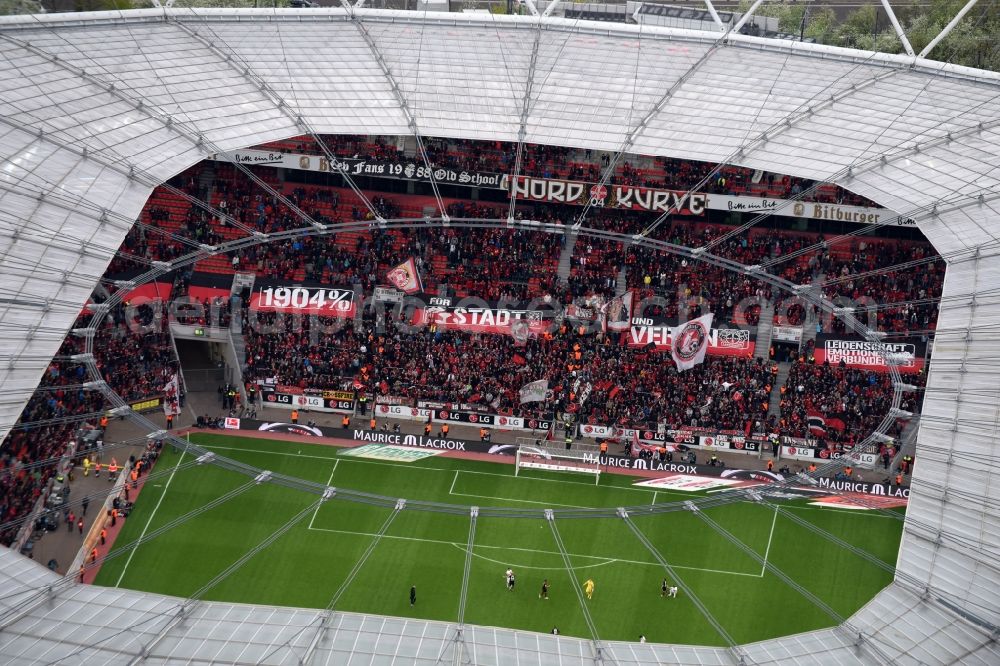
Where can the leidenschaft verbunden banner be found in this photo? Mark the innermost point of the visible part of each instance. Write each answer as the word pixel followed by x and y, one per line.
pixel 906 355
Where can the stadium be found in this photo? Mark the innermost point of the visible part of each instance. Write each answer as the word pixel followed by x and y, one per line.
pixel 322 327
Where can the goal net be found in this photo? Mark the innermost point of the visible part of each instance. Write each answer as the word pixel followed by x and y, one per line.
pixel 557 460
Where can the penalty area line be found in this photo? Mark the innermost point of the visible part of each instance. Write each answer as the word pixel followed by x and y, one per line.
pixel 463 547
pixel 328 482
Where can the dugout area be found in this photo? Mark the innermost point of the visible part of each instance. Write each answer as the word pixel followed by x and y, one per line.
pixel 363 555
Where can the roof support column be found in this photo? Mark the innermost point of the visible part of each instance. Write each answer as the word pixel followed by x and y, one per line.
pixel 523 126
pixel 404 106
pixel 898 28
pixel 948 28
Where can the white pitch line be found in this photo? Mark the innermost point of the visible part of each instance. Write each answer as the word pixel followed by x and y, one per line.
pixel 654 498
pixel 527 566
pixel 462 546
pixel 524 501
pixel 846 512
pixel 767 550
pixel 328 482
pixel 451 491
pixel 151 516
pixel 359 461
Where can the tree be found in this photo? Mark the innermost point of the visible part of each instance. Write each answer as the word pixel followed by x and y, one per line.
pixel 15 7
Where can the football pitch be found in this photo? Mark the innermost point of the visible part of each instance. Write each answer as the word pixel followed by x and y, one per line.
pixel 315 562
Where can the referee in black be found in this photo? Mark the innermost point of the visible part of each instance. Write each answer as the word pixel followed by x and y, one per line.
pixel 544 594
pixel 413 594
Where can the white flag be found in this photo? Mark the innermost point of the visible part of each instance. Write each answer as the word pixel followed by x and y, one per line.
pixel 534 391
pixel 171 396
pixel 689 342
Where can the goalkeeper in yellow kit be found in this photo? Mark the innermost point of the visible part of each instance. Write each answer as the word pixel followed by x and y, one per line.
pixel 588 588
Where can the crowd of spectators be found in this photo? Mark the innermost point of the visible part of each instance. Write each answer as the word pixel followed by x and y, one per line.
pixel 133 351
pixel 596 378
pixel 852 401
pixel 526 266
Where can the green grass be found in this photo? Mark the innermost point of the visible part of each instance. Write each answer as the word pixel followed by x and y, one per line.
pixel 309 565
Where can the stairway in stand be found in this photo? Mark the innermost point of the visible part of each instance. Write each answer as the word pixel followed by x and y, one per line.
pixel 565 259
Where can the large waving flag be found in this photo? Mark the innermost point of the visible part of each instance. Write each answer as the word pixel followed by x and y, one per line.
pixel 689 342
pixel 171 396
pixel 820 424
pixel 534 391
pixel 406 278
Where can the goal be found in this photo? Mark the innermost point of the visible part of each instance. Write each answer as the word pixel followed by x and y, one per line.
pixel 555 460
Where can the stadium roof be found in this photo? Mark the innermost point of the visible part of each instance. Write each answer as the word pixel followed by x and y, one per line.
pixel 96 109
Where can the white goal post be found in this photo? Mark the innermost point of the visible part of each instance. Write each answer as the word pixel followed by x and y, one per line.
pixel 553 460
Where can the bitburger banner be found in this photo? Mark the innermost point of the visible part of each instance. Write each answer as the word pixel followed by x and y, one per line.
pixel 627 197
pixel 808 210
pixel 721 341
pixel 907 356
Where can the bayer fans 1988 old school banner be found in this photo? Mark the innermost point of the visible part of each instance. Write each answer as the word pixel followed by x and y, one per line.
pixel 534 391
pixel 689 342
pixel 406 278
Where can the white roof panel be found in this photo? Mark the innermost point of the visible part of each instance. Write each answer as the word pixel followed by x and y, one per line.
pixel 95 109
